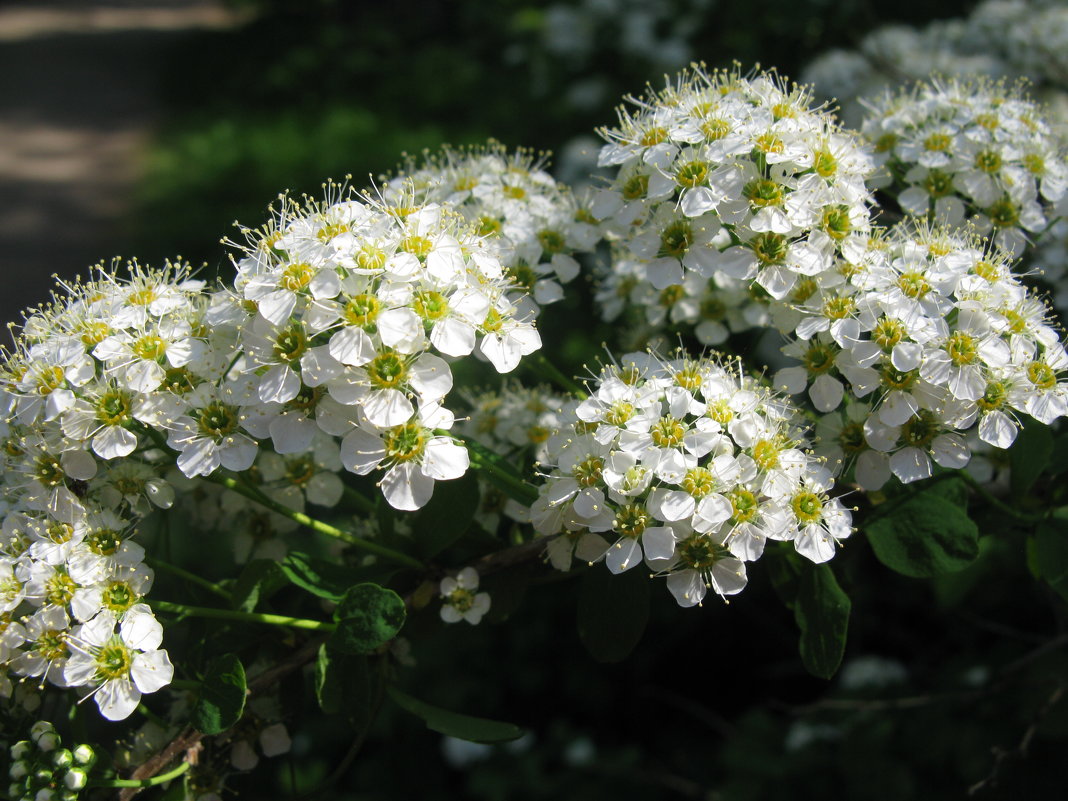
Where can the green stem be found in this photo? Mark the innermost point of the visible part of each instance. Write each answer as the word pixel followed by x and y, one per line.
pixel 552 372
pixel 243 617
pixel 997 503
pixel 252 493
pixel 486 461
pixel 359 499
pixel 174 570
pixel 163 778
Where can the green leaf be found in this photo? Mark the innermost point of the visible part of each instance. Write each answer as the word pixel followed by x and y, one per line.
pixel 222 696
pixel 367 616
pixel 612 612
pixel 1051 555
pixel 925 536
pixel 822 614
pixel 346 685
pixel 260 579
pixel 1029 455
pixel 319 577
pixel 784 569
pixel 448 514
pixel 955 490
pixel 453 724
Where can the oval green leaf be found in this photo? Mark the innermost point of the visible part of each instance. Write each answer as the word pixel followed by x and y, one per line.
pixel 222 696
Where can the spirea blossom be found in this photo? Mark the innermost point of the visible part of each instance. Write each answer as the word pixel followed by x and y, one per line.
pixel 976 150
pixel 724 179
pixel 687 467
pixel 931 335
pixel 534 224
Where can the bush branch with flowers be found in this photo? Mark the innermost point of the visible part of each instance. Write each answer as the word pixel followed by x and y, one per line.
pixel 314 397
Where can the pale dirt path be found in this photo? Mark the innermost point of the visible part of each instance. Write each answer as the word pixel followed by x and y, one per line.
pixel 77 106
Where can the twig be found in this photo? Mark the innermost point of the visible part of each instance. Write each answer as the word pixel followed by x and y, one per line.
pixel 1020 750
pixel 190 737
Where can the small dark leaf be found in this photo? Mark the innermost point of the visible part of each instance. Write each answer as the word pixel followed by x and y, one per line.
pixel 954 490
pixel 222 696
pixel 260 579
pixel 448 514
pixel 345 684
pixel 612 612
pixel 822 614
pixel 925 536
pixel 784 570
pixel 453 724
pixel 322 578
pixel 367 616
pixel 1051 555
pixel 1029 455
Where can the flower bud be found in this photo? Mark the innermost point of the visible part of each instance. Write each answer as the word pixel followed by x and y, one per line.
pixel 62 758
pixel 47 740
pixel 47 794
pixel 20 749
pixel 75 779
pixel 84 755
pixel 19 769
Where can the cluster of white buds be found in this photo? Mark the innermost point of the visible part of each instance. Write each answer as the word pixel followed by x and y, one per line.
pixel 688 467
pixel 43 770
pixel 534 224
pixel 930 335
pixel 970 149
pixel 726 185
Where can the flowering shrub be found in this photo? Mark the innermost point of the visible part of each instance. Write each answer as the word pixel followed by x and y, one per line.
pixel 316 391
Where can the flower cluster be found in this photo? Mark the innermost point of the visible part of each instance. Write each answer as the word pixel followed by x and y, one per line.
pixel 41 768
pixel 347 309
pixel 689 467
pixel 533 223
pixel 89 377
pixel 727 184
pixel 955 148
pixel 1001 38
pixel 514 422
pixel 930 335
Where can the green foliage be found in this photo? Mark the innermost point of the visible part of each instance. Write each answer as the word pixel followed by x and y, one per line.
pixel 323 579
pixel 222 695
pixel 260 579
pixel 925 535
pixel 1030 455
pixel 447 516
pixel 367 617
pixel 1051 554
pixel 347 684
pixel 613 612
pixel 822 614
pixel 453 724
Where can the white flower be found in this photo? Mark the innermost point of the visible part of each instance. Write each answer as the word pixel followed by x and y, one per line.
pixel 459 599
pixel 120 666
pixel 412 454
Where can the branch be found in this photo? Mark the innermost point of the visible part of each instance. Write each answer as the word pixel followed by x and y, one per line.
pixel 189 738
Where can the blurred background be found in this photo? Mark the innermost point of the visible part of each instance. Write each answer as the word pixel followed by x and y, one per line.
pixel 145 128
